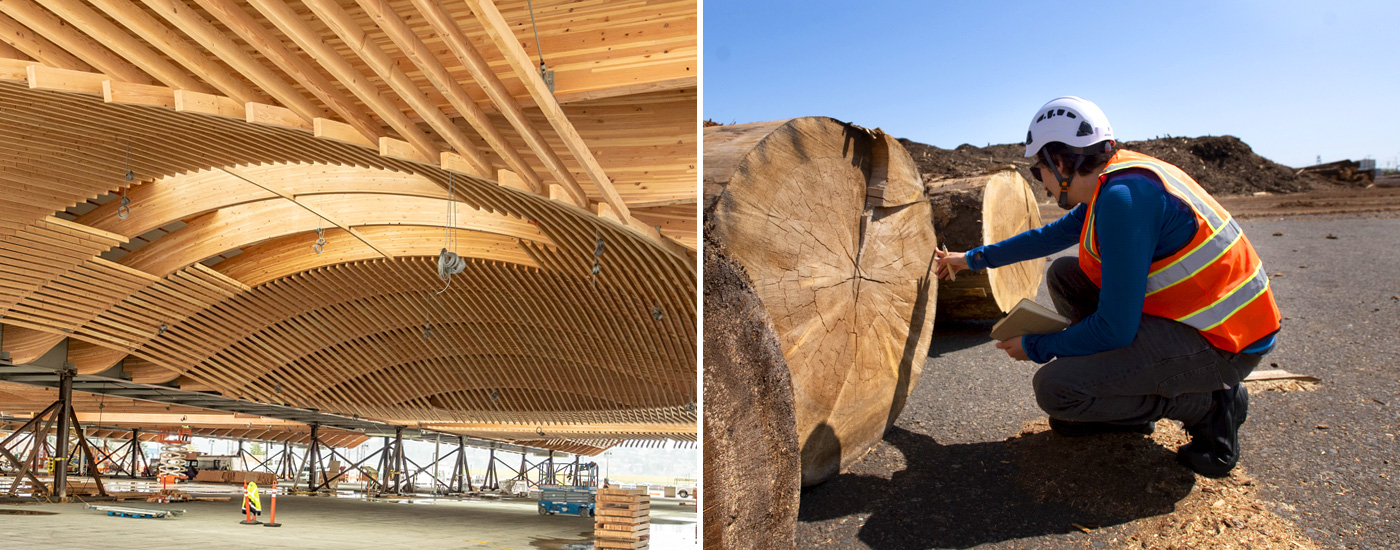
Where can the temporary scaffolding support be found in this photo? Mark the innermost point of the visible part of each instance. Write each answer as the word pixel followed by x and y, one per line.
pixel 61 414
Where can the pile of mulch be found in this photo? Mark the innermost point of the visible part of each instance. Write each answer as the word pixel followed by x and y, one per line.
pixel 1223 165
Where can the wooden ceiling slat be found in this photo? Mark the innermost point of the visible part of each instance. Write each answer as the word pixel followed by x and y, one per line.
pixel 94 25
pixel 32 44
pixel 342 25
pixel 287 21
pixel 293 65
pixel 178 13
pixel 178 49
pixel 393 25
pixel 519 61
pixel 341 332
pixel 46 24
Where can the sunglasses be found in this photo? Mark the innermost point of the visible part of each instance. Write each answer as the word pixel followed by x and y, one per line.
pixel 1035 171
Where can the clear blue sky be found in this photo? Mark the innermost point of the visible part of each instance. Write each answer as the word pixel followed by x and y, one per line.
pixel 1293 79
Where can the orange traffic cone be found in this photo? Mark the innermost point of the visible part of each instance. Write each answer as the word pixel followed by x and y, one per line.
pixel 272 520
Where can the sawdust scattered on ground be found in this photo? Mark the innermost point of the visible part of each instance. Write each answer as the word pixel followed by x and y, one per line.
pixel 1225 513
pixel 1282 386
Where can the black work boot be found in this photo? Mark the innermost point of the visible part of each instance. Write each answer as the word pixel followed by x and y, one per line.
pixel 1069 428
pixel 1215 447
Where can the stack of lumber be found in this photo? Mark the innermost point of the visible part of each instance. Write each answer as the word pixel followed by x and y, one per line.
pixel 170 495
pixel 211 476
pixel 623 519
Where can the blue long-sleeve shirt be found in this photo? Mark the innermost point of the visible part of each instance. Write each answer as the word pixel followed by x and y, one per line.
pixel 1138 222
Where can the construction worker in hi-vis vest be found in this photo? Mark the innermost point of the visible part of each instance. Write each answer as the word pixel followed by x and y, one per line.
pixel 252 499
pixel 1171 306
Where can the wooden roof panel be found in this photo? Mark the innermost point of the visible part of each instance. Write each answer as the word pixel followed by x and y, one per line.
pixel 526 334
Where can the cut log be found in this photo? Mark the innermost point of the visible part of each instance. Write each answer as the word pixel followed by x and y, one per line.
pixel 970 212
pixel 752 473
pixel 833 228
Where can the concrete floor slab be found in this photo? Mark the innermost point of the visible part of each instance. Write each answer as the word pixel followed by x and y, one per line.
pixel 330 523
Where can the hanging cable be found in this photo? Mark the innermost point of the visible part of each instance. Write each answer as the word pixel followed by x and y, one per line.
pixel 597 256
pixel 124 209
pixel 545 73
pixel 449 263
pixel 320 245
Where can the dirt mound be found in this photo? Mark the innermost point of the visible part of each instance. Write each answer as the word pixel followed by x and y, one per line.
pixel 1223 165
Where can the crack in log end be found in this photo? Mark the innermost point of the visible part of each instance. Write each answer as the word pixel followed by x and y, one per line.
pixel 860 238
pixel 882 212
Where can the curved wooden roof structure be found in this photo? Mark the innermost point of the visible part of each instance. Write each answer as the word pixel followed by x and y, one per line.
pixel 168 167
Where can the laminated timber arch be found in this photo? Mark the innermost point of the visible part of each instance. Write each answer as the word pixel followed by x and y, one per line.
pixel 246 124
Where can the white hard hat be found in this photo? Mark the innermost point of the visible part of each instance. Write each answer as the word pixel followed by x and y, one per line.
pixel 1070 120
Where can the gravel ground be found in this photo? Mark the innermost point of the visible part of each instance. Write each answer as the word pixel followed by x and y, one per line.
pixel 969 461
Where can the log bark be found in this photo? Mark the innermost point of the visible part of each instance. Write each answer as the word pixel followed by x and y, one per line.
pixel 970 212
pixel 752 473
pixel 831 224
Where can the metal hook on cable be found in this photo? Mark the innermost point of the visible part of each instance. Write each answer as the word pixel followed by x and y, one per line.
pixel 449 263
pixel 124 210
pixel 320 245
pixel 597 256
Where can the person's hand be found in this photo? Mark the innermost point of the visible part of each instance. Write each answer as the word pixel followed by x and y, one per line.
pixel 1014 349
pixel 949 264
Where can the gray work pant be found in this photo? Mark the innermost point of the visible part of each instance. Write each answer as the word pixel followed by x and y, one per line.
pixel 1167 372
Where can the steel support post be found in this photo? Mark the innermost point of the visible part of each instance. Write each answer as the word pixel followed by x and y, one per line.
pixel 397 466
pixel 437 458
pixel 462 470
pixel 490 478
pixel 65 400
pixel 135 451
pixel 313 459
pixel 400 464
pixel 382 480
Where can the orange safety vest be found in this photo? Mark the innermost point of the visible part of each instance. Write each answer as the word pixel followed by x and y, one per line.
pixel 1215 284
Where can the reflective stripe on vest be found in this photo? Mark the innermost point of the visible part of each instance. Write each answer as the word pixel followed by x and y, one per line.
pixel 1215 284
pixel 1212 315
pixel 1192 263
